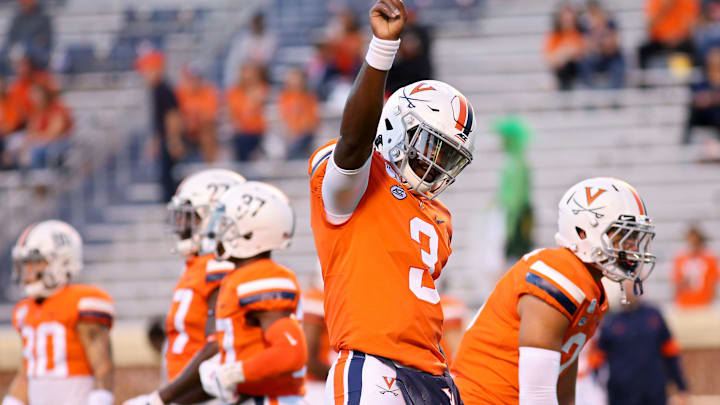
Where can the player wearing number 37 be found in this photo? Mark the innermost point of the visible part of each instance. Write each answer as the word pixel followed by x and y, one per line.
pixel 382 236
pixel 65 328
pixel 522 347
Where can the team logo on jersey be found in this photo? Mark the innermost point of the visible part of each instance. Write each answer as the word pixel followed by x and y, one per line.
pixel 582 322
pixel 398 192
pixel 390 171
pixel 389 381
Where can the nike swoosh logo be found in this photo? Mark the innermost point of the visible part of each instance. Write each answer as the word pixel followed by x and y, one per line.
pixel 290 339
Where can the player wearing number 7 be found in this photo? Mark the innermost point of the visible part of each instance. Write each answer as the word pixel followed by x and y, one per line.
pixel 381 235
pixel 65 328
pixel 522 347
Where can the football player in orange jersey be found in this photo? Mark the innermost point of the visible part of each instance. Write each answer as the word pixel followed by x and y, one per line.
pixel 523 344
pixel 191 319
pixel 65 328
pixel 262 346
pixel 382 236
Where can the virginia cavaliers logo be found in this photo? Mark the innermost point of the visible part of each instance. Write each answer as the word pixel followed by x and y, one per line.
pixel 592 196
pixel 389 381
pixel 463 116
pixel 580 208
pixel 420 88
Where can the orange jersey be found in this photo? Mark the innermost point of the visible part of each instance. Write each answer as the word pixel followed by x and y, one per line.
pixel 695 277
pixel 486 365
pixel 185 322
pixel 51 345
pixel 262 285
pixel 379 268
pixel 315 313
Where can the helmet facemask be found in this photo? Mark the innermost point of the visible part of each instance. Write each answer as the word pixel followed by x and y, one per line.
pixel 428 160
pixel 48 274
pixel 625 251
pixel 186 224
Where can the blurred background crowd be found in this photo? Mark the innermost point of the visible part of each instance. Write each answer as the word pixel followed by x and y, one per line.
pixel 105 106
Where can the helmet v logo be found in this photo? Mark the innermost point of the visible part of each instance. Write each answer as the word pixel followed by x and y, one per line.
pixel 590 196
pixel 420 88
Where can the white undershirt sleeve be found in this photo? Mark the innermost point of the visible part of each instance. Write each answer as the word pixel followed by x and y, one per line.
pixel 343 189
pixel 538 373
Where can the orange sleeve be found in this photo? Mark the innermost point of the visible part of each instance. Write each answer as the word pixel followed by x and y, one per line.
pixel 677 270
pixel 95 305
pixel 540 287
pixel 551 43
pixel 285 352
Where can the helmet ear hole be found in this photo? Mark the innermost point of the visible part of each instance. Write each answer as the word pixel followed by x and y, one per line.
pixel 388 125
pixel 581 233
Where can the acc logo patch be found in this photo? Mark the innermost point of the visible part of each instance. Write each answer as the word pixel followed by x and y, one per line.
pixel 398 192
pixel 391 172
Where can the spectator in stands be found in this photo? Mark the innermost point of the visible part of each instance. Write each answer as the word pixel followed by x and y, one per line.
pixel 412 62
pixel 167 141
pixel 670 27
pixel 641 355
pixel 8 119
pixel 47 135
pixel 321 69
pixel 695 272
pixel 347 42
pixel 603 63
pixel 256 47
pixel 26 75
pixel 564 46
pixel 704 108
pixel 515 187
pixel 298 110
pixel 31 29
pixel 707 33
pixel 246 105
pixel 198 100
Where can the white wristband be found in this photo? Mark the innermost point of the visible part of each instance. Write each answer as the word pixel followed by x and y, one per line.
pixel 381 53
pixel 8 400
pixel 101 397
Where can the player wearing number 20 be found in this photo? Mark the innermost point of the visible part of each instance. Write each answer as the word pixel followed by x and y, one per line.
pixel 65 328
pixel 381 236
pixel 523 345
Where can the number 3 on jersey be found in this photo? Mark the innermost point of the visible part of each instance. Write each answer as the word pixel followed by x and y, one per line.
pixel 418 226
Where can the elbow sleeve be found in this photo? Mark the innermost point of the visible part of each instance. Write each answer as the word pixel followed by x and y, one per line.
pixel 343 189
pixel 286 352
pixel 538 373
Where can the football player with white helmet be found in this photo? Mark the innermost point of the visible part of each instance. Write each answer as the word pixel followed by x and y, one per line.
pixel 191 318
pixel 65 328
pixel 382 236
pixel 524 342
pixel 262 346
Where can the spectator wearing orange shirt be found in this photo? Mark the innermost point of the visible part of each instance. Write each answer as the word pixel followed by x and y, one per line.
pixel 695 273
pixel 299 113
pixel 198 100
pixel 347 42
pixel 8 118
pixel 670 27
pixel 564 46
pixel 27 74
pixel 246 104
pixel 46 138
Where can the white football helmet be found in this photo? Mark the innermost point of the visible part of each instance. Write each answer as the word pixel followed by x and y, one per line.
pixel 252 218
pixel 191 207
pixel 55 248
pixel 427 133
pixel 603 221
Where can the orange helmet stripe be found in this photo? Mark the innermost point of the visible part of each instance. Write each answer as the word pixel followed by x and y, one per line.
pixel 460 123
pixel 641 205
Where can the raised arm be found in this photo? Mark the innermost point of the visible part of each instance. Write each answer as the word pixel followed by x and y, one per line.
pixel 347 174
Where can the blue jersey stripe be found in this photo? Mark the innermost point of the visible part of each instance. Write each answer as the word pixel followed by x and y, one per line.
pixel 554 292
pixel 267 296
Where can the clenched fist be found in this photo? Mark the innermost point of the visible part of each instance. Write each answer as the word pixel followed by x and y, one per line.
pixel 387 18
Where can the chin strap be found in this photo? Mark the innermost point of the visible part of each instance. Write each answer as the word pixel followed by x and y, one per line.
pixel 623 295
pixel 638 287
pixel 637 290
